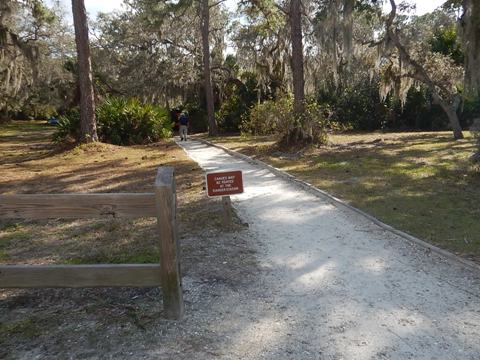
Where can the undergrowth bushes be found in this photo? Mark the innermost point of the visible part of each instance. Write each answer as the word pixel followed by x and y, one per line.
pixel 120 122
pixel 356 108
pixel 68 126
pixel 277 118
pixel 268 118
pixel 128 121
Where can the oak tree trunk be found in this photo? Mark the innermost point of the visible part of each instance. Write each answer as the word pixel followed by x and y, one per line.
pixel 205 30
pixel 471 42
pixel 88 126
pixel 451 113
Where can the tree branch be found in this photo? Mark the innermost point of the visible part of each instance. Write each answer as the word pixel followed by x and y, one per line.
pixel 216 4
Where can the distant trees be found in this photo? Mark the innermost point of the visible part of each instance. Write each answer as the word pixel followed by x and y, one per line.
pixel 263 46
pixel 150 52
pixel 17 58
pixel 344 61
pixel 88 126
pixel 26 31
pixel 438 72
pixel 268 31
pixel 169 50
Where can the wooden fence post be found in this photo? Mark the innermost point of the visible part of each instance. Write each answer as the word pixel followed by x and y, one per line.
pixel 166 204
pixel 227 211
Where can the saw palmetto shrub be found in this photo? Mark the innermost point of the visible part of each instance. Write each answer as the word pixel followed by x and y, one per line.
pixel 68 127
pixel 128 121
pixel 121 122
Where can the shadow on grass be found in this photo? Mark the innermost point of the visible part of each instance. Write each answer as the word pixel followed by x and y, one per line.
pixel 346 314
pixel 424 189
pixel 27 141
pixel 52 318
pixel 419 183
pixel 105 176
pixel 51 322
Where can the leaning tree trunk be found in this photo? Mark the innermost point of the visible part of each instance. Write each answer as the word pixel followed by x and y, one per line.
pixel 298 133
pixel 88 126
pixel 205 29
pixel 451 113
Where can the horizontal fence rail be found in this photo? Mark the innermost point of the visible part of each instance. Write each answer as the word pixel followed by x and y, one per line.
pixel 79 276
pixel 74 206
pixel 161 204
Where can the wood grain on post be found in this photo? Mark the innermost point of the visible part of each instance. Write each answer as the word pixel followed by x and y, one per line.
pixel 166 203
pixel 79 276
pixel 74 206
pixel 227 211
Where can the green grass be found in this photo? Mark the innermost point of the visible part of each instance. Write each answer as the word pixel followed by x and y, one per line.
pixel 140 257
pixel 3 255
pixel 7 232
pixel 15 128
pixel 421 183
pixel 28 328
pixel 11 227
pixel 30 163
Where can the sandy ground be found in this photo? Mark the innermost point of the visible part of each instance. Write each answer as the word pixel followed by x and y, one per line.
pixel 305 280
pixel 332 285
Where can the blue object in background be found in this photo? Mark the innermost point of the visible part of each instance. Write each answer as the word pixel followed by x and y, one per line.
pixel 53 121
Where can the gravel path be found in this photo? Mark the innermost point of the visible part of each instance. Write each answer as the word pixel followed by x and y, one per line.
pixel 333 285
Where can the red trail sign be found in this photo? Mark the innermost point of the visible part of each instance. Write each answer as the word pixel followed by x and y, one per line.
pixel 225 183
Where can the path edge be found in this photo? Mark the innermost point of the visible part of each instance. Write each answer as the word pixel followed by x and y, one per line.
pixel 341 203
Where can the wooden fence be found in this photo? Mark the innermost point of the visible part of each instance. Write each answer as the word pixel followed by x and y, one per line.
pixel 161 204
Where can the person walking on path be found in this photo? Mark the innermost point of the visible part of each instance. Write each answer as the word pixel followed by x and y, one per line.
pixel 183 126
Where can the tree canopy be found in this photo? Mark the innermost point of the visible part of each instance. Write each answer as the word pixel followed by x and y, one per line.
pixel 363 66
